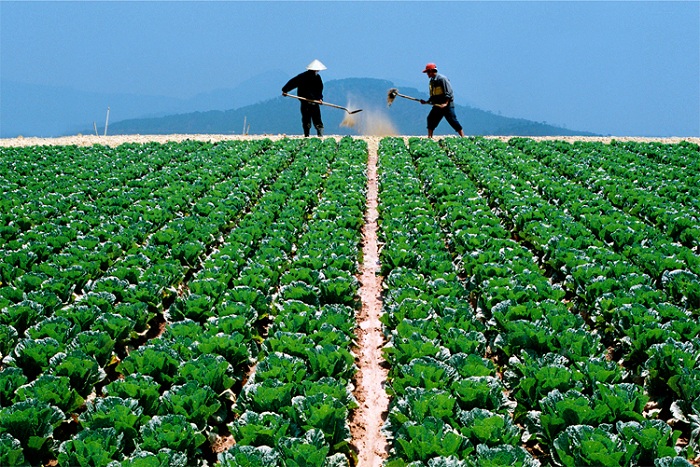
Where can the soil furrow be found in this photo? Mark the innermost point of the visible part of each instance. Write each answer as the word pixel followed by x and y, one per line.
pixel 367 421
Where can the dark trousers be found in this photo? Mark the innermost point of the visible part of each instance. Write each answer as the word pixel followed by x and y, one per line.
pixel 436 114
pixel 311 113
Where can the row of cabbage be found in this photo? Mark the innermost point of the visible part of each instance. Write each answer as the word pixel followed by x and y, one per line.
pixel 59 352
pixel 658 183
pixel 614 282
pixel 449 407
pixel 96 339
pixel 664 195
pixel 58 257
pixel 546 390
pixel 294 409
pixel 641 308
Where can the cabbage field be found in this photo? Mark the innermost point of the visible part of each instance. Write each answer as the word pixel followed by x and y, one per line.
pixel 195 303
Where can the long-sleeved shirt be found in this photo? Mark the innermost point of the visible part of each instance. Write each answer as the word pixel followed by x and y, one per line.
pixel 309 85
pixel 440 90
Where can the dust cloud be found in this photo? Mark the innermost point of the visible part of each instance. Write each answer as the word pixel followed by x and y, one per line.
pixel 369 122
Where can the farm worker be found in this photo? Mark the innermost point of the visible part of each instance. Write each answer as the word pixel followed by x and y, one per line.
pixel 442 100
pixel 309 85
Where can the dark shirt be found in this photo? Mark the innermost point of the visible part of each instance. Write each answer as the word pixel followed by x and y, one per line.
pixel 440 90
pixel 308 84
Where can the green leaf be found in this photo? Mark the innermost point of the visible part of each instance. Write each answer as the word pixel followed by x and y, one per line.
pixel 584 445
pixel 419 403
pixel 235 348
pixel 267 396
pixel 82 370
pixel 53 390
pixel 33 355
pixel 666 363
pixel 340 290
pixel 172 432
pixel 282 367
pixel 11 378
pixel 22 315
pixel 260 429
pixel 182 337
pixel 404 349
pixel 32 423
pixel 504 455
pixel 560 411
pixel 210 370
pixel 307 275
pixel 195 307
pixel 458 340
pixel 672 461
pixel 248 296
pixel 471 365
pixel 429 438
pixel 655 438
pixel 82 315
pixel 485 427
pixel 324 413
pixel 142 388
pixel 485 392
pixel 295 344
pixel 308 451
pixel 11 452
pixel 301 291
pixel 250 456
pixel 91 447
pixel 423 372
pixel 625 401
pixel 96 343
pixel 8 339
pixel 331 360
pixel 332 387
pixel 124 415
pixel 600 370
pixel 118 327
pixel 196 403
pixel 157 361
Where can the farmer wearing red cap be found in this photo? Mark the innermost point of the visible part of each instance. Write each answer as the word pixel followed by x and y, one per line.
pixel 442 100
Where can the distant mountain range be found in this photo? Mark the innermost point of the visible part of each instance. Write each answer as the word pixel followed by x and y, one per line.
pixel 281 115
pixel 239 110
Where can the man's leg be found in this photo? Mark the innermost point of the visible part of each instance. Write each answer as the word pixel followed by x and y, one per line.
pixel 451 118
pixel 306 118
pixel 316 117
pixel 434 118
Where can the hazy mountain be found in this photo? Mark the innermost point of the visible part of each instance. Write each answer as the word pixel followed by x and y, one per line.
pixel 281 115
pixel 33 110
pixel 36 110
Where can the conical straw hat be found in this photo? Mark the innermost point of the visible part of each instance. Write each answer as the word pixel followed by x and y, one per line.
pixel 316 66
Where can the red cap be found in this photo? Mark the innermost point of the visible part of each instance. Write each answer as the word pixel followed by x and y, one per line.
pixel 430 67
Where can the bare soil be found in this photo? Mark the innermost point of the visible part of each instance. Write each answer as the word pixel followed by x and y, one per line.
pixel 89 140
pixel 367 421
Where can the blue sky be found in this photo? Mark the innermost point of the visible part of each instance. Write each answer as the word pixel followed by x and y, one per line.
pixel 619 68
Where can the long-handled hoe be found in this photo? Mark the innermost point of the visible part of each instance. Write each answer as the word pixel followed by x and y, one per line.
pixel 324 103
pixel 394 93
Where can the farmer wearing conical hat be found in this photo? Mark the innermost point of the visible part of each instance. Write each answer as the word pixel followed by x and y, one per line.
pixel 309 85
pixel 442 100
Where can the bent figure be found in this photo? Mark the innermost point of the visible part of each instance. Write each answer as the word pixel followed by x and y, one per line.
pixel 309 85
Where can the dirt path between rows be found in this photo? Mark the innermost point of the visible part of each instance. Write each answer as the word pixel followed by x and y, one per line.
pixel 366 422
